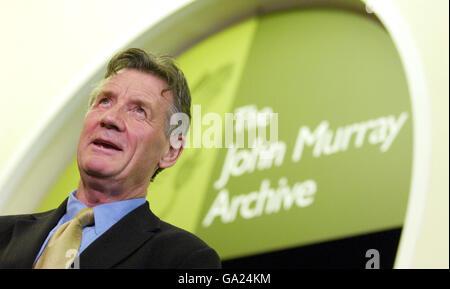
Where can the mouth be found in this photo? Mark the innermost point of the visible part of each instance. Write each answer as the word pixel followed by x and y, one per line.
pixel 105 144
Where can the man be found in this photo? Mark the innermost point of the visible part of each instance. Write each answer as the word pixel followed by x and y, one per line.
pixel 125 142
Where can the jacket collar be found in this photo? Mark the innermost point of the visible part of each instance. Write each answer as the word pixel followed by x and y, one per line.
pixel 121 239
pixel 114 245
pixel 28 235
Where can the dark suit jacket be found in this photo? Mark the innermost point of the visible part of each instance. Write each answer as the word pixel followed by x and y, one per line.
pixel 138 240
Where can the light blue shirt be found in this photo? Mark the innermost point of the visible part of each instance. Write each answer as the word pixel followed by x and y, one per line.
pixel 105 216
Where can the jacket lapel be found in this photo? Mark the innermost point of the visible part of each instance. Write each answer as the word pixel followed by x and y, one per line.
pixel 121 239
pixel 28 236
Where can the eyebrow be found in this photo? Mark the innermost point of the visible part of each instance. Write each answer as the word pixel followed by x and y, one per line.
pixel 142 102
pixel 137 98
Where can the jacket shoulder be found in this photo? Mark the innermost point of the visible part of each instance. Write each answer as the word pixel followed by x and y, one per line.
pixel 170 232
pixel 188 250
pixel 10 220
pixel 7 222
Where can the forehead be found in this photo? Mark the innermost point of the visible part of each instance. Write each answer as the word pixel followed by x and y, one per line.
pixel 135 82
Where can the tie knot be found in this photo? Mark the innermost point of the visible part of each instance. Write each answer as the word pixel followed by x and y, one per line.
pixel 85 216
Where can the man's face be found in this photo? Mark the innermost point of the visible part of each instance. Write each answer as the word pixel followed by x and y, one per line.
pixel 123 135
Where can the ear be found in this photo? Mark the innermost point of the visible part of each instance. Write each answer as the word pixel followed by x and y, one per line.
pixel 176 146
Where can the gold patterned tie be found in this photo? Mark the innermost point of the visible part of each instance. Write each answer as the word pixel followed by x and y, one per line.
pixel 63 246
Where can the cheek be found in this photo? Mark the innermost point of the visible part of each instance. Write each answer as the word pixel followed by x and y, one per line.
pixel 151 148
pixel 86 132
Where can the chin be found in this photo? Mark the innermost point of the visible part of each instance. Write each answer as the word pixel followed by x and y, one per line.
pixel 98 169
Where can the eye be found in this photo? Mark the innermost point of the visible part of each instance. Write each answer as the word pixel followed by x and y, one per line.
pixel 104 100
pixel 140 110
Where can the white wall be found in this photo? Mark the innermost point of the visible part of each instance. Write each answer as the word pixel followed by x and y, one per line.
pixel 429 22
pixel 48 47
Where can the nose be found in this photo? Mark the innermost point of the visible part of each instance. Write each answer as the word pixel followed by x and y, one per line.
pixel 112 119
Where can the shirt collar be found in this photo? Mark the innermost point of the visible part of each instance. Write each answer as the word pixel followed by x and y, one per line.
pixel 105 215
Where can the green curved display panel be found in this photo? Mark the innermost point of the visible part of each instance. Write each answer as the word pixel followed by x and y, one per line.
pixel 342 163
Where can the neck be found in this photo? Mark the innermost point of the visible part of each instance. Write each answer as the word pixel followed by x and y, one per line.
pixel 95 193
